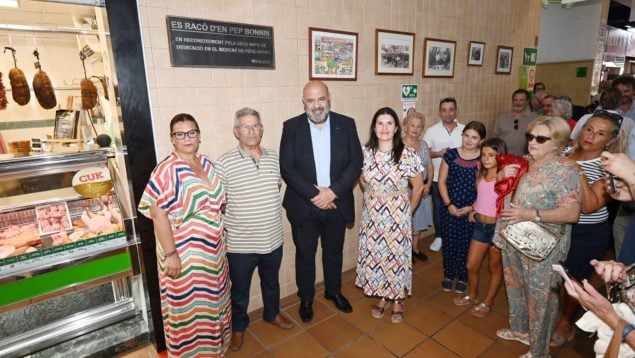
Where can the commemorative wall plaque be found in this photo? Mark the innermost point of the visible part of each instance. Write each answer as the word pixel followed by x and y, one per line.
pixel 208 43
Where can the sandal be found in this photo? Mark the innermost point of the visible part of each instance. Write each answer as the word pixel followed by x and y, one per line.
pixel 560 338
pixel 465 301
pixel 397 316
pixel 377 311
pixel 509 335
pixel 481 310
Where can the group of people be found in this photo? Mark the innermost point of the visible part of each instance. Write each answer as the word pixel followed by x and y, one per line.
pixel 217 221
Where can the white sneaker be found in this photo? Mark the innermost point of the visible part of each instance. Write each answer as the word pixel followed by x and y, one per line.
pixel 436 244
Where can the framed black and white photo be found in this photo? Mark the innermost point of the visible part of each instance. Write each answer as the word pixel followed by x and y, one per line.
pixel 475 53
pixel 394 52
pixel 332 55
pixel 438 58
pixel 65 124
pixel 504 57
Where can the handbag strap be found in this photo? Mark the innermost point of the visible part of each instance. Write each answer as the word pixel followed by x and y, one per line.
pixel 613 349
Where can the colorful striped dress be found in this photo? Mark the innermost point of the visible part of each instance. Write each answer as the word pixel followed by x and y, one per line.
pixel 196 305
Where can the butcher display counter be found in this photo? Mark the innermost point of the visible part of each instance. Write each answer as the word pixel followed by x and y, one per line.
pixel 69 259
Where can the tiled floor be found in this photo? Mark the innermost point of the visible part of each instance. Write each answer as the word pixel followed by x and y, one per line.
pixel 433 327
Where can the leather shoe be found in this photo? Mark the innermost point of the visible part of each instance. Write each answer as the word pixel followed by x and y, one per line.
pixel 340 301
pixel 306 311
pixel 281 322
pixel 238 338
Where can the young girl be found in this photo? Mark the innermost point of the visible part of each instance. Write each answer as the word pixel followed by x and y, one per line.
pixel 484 217
pixel 458 192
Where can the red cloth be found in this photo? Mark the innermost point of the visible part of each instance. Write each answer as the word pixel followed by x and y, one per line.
pixel 509 184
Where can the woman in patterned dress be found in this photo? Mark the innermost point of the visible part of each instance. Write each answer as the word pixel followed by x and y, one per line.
pixel 413 126
pixel 458 192
pixel 548 193
pixel 183 198
pixel 384 262
pixel 589 236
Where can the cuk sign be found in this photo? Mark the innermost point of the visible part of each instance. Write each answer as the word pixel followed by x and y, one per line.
pixel 207 43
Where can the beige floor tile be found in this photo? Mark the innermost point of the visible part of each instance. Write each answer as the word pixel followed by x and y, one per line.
pixel 321 311
pixel 428 320
pixel 398 338
pixel 361 318
pixel 364 347
pixel 334 333
pixel 250 347
pixel 432 349
pixel 463 340
pixel 268 335
pixel 301 345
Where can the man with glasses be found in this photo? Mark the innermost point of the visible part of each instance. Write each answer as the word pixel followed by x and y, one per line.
pixel 511 126
pixel 321 161
pixel 444 135
pixel 253 220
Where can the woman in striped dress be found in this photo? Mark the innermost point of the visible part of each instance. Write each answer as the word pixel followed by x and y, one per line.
pixel 590 236
pixel 183 198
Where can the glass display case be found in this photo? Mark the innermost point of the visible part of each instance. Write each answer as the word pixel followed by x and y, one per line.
pixel 69 256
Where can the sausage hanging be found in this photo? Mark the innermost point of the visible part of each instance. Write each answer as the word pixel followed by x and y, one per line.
pixel 42 86
pixel 88 89
pixel 19 86
pixel 3 95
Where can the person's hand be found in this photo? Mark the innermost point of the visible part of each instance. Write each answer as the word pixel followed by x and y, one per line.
pixel 622 190
pixel 471 216
pixel 324 199
pixel 619 164
pixel 510 170
pixel 453 210
pixel 172 266
pixel 426 189
pixel 464 210
pixel 610 271
pixel 442 151
pixel 593 301
pixel 516 214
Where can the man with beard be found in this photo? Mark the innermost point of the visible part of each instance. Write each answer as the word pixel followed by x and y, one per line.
pixel 511 126
pixel 320 160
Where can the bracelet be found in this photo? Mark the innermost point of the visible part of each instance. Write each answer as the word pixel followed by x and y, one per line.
pixel 627 330
pixel 169 254
pixel 448 204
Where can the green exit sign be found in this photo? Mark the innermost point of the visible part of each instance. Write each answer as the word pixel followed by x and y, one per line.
pixel 409 91
pixel 581 71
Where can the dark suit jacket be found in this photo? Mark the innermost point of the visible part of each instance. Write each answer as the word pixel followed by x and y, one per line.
pixel 297 166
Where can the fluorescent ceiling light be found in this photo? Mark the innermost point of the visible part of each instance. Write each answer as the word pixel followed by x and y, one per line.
pixel 9 3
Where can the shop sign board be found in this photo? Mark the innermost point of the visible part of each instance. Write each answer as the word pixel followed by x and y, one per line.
pixel 527 77
pixel 209 43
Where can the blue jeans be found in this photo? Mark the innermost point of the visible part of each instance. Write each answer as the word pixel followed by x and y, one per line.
pixel 241 269
pixel 436 209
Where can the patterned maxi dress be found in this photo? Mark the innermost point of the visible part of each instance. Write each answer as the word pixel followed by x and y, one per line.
pixel 422 217
pixel 384 261
pixel 196 305
pixel 457 231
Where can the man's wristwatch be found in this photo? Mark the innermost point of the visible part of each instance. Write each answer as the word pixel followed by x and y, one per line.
pixel 627 330
pixel 537 218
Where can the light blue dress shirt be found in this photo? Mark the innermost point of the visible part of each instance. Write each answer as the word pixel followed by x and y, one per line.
pixel 321 142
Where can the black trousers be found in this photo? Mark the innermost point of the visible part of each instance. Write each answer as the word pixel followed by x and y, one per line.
pixel 329 227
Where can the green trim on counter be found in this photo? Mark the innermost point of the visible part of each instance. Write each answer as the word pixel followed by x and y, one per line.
pixel 21 290
pixel 38 123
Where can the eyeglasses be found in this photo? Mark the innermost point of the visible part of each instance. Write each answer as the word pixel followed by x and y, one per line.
pixel 610 116
pixel 540 139
pixel 248 127
pixel 191 133
pixel 516 124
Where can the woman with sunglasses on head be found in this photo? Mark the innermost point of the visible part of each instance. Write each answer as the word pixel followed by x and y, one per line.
pixel 183 198
pixel 589 237
pixel 549 193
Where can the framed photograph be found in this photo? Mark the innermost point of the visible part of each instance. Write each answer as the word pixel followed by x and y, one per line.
pixel 438 58
pixel 475 53
pixel 504 57
pixel 332 55
pixel 65 124
pixel 394 52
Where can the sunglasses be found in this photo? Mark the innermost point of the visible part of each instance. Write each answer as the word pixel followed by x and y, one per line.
pixel 540 139
pixel 181 135
pixel 516 124
pixel 610 116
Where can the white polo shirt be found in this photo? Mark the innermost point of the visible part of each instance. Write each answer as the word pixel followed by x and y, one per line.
pixel 438 137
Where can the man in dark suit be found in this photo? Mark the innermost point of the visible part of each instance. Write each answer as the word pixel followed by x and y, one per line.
pixel 320 160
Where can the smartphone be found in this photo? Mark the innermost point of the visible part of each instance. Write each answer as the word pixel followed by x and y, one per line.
pixel 566 275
